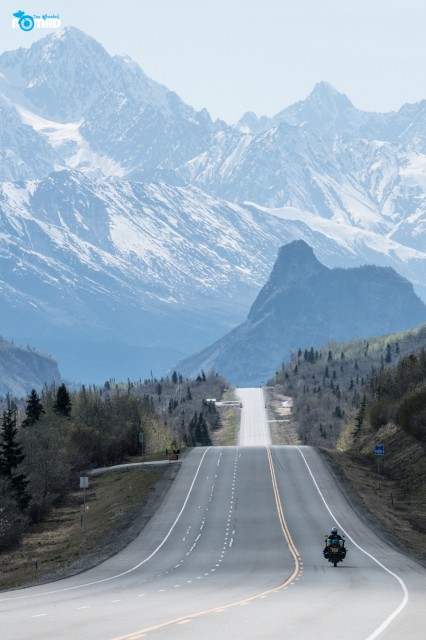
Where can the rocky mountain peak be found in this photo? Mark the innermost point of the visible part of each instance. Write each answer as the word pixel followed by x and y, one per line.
pixel 325 109
pixel 59 75
pixel 296 263
pixel 324 94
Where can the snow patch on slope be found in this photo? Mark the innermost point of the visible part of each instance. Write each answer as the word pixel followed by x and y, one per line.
pixel 67 141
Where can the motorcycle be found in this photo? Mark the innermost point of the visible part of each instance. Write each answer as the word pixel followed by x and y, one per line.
pixel 334 550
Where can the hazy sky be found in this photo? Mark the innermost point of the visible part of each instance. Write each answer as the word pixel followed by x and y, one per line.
pixel 232 56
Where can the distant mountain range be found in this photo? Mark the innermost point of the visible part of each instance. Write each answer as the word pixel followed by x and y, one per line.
pixel 22 370
pixel 306 303
pixel 134 230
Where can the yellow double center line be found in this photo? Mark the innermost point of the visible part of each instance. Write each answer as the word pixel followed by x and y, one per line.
pixel 292 547
pixel 283 523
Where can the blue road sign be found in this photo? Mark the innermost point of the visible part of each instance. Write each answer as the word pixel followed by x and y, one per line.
pixel 379 449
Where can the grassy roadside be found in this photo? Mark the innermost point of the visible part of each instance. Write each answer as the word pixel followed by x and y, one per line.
pixel 391 490
pixel 227 434
pixel 71 540
pixel 380 501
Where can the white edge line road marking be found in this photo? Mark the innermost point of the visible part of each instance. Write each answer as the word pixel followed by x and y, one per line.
pixel 404 601
pixel 119 575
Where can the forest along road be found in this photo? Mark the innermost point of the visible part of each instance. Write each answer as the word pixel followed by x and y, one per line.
pixel 235 551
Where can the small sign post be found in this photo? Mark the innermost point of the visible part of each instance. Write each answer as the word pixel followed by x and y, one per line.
pixel 84 484
pixel 141 441
pixel 379 451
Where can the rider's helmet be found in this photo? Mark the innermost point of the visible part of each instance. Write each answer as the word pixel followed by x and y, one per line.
pixel 334 530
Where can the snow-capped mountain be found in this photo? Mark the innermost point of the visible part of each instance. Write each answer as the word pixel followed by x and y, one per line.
pixel 129 219
pixel 102 112
pixel 325 156
pixel 132 267
pixel 83 109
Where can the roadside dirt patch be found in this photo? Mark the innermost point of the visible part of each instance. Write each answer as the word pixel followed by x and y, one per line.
pixel 280 418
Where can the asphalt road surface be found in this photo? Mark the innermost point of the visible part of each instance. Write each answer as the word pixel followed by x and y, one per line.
pixel 235 551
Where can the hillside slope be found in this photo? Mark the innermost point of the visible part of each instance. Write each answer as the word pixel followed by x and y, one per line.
pixel 349 397
pixel 22 370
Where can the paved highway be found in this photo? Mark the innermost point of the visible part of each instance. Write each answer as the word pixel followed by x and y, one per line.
pixel 235 551
pixel 254 429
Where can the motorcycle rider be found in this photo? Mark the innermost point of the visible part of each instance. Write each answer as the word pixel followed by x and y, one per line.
pixel 332 536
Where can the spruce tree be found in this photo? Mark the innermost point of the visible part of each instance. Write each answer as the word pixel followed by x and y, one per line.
pixel 10 451
pixel 205 439
pixel 11 456
pixel 34 409
pixel 388 357
pixel 62 403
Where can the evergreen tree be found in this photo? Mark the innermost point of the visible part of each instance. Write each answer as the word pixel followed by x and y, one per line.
pixel 33 410
pixel 10 451
pixel 198 433
pixel 11 456
pixel 192 430
pixel 338 412
pixel 388 357
pixel 62 403
pixel 205 439
pixel 198 429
